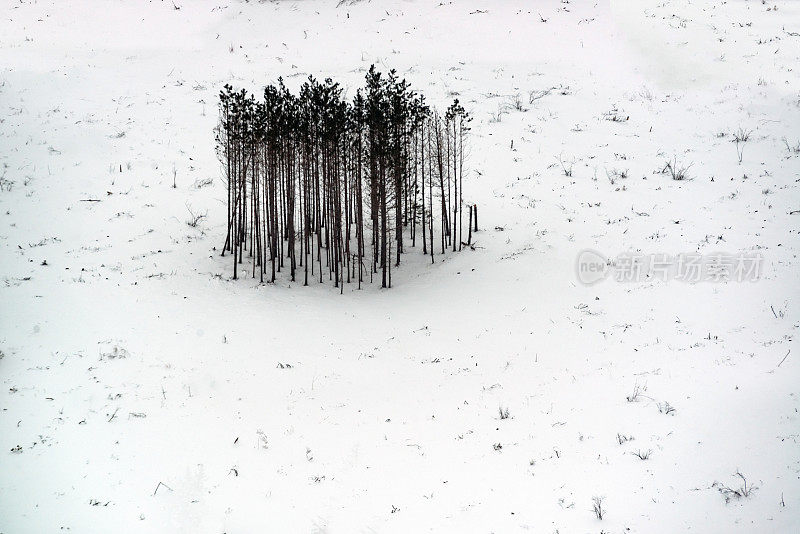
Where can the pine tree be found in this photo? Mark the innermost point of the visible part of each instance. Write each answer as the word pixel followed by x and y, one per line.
pixel 301 171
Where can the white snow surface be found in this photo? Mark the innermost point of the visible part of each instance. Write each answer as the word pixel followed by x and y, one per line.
pixel 143 390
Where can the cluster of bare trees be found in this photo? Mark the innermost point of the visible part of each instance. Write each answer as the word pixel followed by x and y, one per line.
pixel 340 188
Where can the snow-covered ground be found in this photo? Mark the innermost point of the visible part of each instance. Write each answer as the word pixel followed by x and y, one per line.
pixel 145 391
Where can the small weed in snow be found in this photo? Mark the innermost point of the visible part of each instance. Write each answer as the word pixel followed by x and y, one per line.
pixel 622 438
pixel 740 137
pixel 262 441
pixel 194 218
pixel 597 507
pixel 793 149
pixel 536 94
pixel 676 169
pixel 516 103
pixel 5 183
pixel 635 394
pixel 497 117
pixel 566 166
pixel 115 353
pixel 615 174
pixel 666 408
pixel 730 493
pixel 614 115
pixel 202 182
